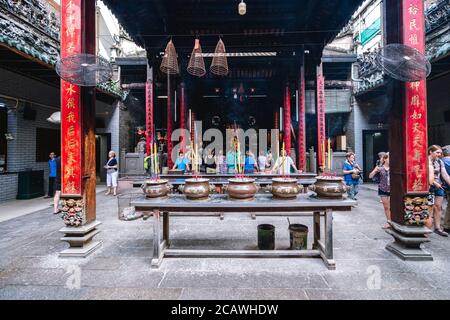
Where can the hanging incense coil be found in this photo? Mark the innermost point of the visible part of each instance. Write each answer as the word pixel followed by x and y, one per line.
pixel 219 65
pixel 196 65
pixel 169 62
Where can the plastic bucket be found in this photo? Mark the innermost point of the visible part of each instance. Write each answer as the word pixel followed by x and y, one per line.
pixel 298 234
pixel 266 237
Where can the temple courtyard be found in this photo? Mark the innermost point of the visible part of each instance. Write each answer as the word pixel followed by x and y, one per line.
pixel 120 269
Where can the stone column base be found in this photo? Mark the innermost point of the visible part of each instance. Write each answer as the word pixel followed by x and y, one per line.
pixel 407 242
pixel 80 240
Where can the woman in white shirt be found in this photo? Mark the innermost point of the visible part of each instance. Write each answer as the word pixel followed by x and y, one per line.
pixel 262 161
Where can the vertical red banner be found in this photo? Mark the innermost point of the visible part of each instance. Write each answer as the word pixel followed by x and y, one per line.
pixel 169 123
pixel 149 133
pixel 287 119
pixel 183 115
pixel 413 35
pixel 71 130
pixel 301 121
pixel 321 137
pixel 192 126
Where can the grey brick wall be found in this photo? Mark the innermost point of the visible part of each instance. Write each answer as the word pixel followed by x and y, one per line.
pixel 8 186
pixel 22 150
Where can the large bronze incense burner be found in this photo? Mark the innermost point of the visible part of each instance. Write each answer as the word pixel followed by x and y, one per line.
pixel 284 188
pixel 196 188
pixel 241 188
pixel 329 187
pixel 156 188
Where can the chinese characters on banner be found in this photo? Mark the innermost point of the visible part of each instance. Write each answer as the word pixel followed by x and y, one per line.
pixel 301 122
pixel 416 105
pixel 71 147
pixel 149 139
pixel 287 119
pixel 321 137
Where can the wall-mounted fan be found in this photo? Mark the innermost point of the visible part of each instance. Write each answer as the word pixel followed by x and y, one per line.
pixel 403 63
pixel 55 117
pixel 84 69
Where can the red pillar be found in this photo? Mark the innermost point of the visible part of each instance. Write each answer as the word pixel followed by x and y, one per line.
pixel 183 114
pixel 301 121
pixel 287 119
pixel 169 123
pixel 321 137
pixel 408 138
pixel 149 133
pixel 78 176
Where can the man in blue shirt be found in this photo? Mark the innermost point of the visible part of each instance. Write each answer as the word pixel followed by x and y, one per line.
pixel 182 163
pixel 351 172
pixel 52 175
pixel 446 160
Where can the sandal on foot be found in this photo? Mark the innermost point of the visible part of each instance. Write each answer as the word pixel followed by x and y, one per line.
pixel 441 232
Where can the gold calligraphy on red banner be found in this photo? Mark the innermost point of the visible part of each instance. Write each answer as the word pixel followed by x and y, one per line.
pixel 71 146
pixel 415 102
pixel 321 136
pixel 301 122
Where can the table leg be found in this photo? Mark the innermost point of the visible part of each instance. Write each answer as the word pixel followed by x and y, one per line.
pixel 221 215
pixel 253 216
pixel 329 239
pixel 157 254
pixel 316 227
pixel 166 234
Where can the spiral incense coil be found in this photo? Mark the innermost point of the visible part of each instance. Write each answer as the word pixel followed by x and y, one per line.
pixel 196 65
pixel 169 62
pixel 219 65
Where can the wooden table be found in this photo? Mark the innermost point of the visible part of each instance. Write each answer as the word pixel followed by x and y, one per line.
pixel 304 205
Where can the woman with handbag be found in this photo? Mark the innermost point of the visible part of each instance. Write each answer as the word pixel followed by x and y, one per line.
pixel 384 190
pixel 437 175
pixel 352 173
pixel 112 173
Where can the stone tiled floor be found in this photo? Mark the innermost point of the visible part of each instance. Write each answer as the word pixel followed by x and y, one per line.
pixel 30 267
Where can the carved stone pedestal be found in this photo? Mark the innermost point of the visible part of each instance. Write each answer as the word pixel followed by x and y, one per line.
pixel 80 240
pixel 407 242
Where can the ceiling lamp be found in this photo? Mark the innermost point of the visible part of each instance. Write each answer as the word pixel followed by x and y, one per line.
pixel 219 64
pixel 196 65
pixel 169 62
pixel 242 8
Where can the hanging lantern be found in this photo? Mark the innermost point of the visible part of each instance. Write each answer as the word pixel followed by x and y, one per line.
pixel 196 65
pixel 242 8
pixel 169 63
pixel 219 65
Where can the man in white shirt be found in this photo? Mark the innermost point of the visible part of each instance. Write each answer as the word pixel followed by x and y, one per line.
pixel 284 168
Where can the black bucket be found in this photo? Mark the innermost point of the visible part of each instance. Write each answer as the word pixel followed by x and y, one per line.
pixel 266 237
pixel 298 234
